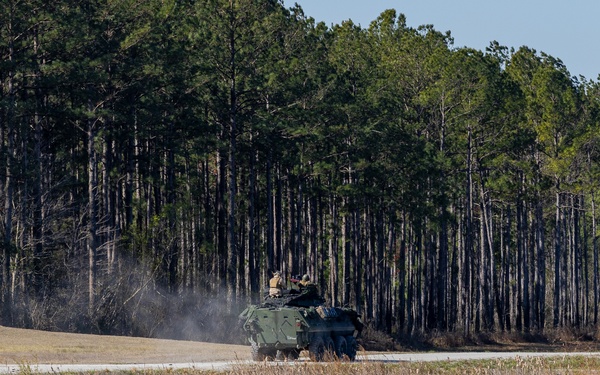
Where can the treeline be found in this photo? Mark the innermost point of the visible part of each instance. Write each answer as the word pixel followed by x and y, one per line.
pixel 161 158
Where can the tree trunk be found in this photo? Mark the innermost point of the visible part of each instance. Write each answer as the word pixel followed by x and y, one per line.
pixel 402 286
pixel 508 271
pixel 8 198
pixel 357 264
pixel 221 197
pixel 252 260
pixel 232 253
pixel 92 244
pixel 557 256
pixel 442 271
pixel 172 251
pixel 468 255
pixel 38 198
pixel 333 253
pixel 540 292
pixel 596 259
pixel 271 261
pixel 346 243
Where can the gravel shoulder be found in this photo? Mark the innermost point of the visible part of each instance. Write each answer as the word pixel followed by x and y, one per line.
pixel 23 346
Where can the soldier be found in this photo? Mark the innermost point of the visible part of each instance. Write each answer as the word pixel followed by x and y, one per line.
pixel 276 285
pixel 307 286
pixel 305 281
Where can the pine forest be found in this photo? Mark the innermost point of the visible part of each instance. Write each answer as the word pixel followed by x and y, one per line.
pixel 160 159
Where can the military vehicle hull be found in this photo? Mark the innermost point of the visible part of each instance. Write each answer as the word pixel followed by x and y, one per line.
pixel 281 328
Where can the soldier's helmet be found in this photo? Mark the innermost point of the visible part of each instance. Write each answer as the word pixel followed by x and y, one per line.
pixel 276 273
pixel 305 278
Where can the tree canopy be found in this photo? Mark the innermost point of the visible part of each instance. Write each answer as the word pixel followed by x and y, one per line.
pixel 160 159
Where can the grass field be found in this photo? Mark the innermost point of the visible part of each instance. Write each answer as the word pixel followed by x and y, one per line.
pixel 19 346
pixel 28 347
pixel 529 366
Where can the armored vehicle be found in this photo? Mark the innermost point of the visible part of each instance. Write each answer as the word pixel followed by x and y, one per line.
pixel 281 327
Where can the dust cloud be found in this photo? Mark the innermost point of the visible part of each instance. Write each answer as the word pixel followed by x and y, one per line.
pixel 132 300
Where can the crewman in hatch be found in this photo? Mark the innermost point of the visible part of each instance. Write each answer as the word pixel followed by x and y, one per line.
pixel 276 285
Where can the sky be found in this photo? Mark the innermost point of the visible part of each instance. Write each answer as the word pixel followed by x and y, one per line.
pixel 567 30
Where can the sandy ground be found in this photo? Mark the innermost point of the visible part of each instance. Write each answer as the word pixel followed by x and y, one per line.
pixel 21 346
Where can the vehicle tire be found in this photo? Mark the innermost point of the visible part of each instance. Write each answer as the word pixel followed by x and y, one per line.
pixel 257 355
pixel 281 355
pixel 341 348
pixel 292 354
pixel 316 349
pixel 351 347
pixel 329 349
pixel 270 354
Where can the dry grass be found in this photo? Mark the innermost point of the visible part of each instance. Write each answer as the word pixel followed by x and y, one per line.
pixel 518 366
pixel 24 347
pixel 30 346
pixel 552 340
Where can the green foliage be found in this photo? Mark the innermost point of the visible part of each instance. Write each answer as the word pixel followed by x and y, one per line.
pixel 242 133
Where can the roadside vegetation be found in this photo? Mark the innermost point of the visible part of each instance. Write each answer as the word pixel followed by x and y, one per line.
pixel 516 366
pixel 530 366
pixel 551 340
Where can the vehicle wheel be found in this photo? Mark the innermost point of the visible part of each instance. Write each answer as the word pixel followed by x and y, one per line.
pixel 292 354
pixel 316 349
pixel 281 355
pixel 341 348
pixel 351 347
pixel 257 355
pixel 270 354
pixel 329 349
